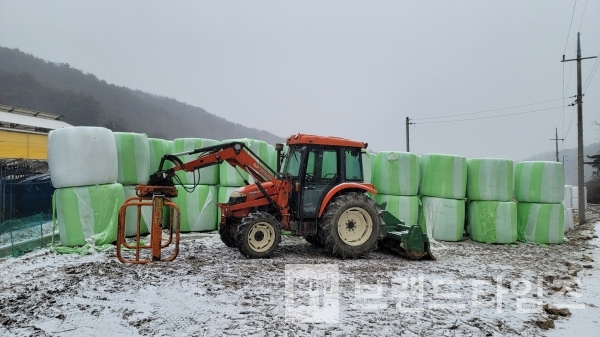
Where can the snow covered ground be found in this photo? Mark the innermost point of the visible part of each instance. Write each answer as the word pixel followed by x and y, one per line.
pixel 472 289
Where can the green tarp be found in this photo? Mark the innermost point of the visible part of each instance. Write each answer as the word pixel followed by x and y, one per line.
pixel 490 179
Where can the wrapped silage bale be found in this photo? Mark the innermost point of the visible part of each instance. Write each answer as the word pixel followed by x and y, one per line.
pixel 492 221
pixel 228 174
pixel 204 176
pixel 540 223
pixel 443 176
pixel 81 156
pixel 131 215
pixel 133 157
pixel 568 197
pixel 158 148
pixel 539 182
pixel 198 208
pixel 443 219
pixel 396 173
pixel 88 214
pixel 575 200
pixel 569 220
pixel 489 179
pixel 405 208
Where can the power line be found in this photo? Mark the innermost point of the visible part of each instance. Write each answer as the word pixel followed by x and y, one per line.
pixel 495 116
pixel 582 15
pixel 478 112
pixel 592 73
pixel 574 6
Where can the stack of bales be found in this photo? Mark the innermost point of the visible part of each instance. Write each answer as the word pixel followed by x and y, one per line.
pixel 443 188
pixel 396 179
pixel 568 206
pixel 230 179
pixel 197 205
pixel 133 158
pixel 158 149
pixel 492 216
pixel 84 170
pixel 539 190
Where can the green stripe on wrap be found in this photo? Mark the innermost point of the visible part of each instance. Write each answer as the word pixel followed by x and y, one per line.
pixel 405 208
pixel 158 148
pixel 228 174
pixel 88 213
pixel 204 176
pixel 492 221
pixel 198 208
pixel 133 156
pixel 540 181
pixel 443 176
pixel 540 223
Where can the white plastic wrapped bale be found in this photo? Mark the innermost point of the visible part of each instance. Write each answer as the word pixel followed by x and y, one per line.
pixel 539 181
pixel 198 208
pixel 492 221
pixel 81 156
pixel 405 208
pixel 569 220
pixel 158 148
pixel 131 215
pixel 490 179
pixel 204 176
pixel 133 157
pixel 540 223
pixel 396 173
pixel 228 174
pixel 568 198
pixel 224 194
pixel 442 219
pixel 443 176
pixel 575 200
pixel 87 214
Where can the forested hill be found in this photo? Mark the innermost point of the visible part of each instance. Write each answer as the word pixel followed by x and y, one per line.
pixel 29 82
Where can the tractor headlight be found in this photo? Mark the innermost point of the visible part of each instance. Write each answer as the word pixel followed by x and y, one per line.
pixel 237 197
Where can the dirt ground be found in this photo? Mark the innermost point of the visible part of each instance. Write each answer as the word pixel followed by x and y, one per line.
pixel 473 289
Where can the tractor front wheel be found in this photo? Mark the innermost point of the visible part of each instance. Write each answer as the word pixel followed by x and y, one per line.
pixel 225 232
pixel 258 235
pixel 351 225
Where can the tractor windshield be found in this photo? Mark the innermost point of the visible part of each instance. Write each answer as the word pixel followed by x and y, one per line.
pixel 292 165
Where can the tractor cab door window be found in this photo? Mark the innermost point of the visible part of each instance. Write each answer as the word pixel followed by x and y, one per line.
pixel 320 176
pixel 354 169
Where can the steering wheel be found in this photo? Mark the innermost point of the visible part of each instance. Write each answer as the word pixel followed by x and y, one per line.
pixel 333 175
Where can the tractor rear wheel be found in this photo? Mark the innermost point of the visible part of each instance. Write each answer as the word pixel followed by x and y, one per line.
pixel 225 232
pixel 351 225
pixel 313 240
pixel 258 235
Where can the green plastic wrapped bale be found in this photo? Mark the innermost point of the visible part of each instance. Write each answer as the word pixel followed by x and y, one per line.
pixel 158 148
pixel 204 176
pixel 443 176
pixel 131 215
pixel 442 219
pixel 539 181
pixel 492 221
pixel 540 223
pixel 396 173
pixel 229 176
pixel 198 208
pixel 490 179
pixel 134 157
pixel 405 208
pixel 87 214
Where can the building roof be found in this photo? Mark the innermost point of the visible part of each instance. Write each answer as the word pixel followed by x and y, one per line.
pixel 29 120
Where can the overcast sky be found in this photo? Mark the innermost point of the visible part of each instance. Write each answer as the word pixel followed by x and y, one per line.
pixel 353 69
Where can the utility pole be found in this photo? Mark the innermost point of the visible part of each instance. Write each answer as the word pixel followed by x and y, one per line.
pixel 407 137
pixel 557 139
pixel 580 182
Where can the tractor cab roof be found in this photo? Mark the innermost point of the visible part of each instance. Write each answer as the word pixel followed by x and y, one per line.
pixel 324 140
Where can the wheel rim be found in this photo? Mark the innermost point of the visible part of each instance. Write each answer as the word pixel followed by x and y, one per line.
pixel 355 226
pixel 261 237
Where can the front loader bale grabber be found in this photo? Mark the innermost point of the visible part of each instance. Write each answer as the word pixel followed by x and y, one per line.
pixel 406 240
pixel 157 198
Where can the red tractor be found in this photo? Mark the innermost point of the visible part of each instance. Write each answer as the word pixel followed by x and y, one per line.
pixel 320 194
